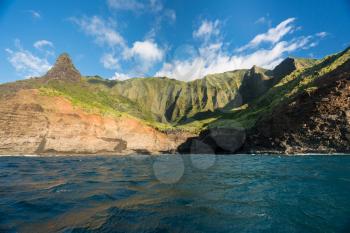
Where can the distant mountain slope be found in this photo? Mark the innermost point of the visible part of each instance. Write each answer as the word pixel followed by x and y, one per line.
pixel 306 111
pixel 172 100
pixel 175 101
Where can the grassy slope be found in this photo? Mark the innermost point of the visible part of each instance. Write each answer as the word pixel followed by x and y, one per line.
pixel 172 100
pixel 160 99
pixel 190 106
pixel 302 63
pixel 154 100
pixel 97 97
pixel 299 81
pixel 92 97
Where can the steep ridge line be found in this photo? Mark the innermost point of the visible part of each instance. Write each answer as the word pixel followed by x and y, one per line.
pixel 255 110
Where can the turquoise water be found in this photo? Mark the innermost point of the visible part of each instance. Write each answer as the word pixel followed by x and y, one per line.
pixel 237 193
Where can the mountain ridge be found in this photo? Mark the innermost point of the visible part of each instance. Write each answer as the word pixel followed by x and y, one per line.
pixel 211 112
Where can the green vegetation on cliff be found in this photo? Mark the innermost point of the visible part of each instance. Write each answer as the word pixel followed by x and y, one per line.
pixel 301 80
pixel 230 99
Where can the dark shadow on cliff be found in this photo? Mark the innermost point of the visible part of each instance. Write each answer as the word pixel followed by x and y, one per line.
pixel 214 141
pixel 304 123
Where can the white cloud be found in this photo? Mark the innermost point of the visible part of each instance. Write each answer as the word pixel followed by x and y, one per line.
pixel 120 76
pixel 34 14
pixel 125 4
pixel 153 6
pixel 273 35
pixel 103 31
pixel 109 61
pixel 40 44
pixel 146 50
pixel 322 34
pixel 25 63
pixel 261 20
pixel 156 5
pixel 210 57
pixel 45 46
pixel 264 20
pixel 144 54
pixel 166 15
pixel 207 29
pixel 214 58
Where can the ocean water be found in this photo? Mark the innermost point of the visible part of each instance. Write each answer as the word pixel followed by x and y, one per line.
pixel 192 193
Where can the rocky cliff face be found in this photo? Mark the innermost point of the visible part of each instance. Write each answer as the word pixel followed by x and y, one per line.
pixel 289 65
pixel 63 69
pixel 255 83
pixel 215 141
pixel 34 124
pixel 315 121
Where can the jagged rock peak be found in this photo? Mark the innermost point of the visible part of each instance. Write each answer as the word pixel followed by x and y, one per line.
pixel 286 67
pixel 256 69
pixel 64 58
pixel 64 69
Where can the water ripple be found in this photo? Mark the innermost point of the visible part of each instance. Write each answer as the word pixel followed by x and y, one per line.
pixel 238 193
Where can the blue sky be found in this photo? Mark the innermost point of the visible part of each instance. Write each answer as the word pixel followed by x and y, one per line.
pixel 181 39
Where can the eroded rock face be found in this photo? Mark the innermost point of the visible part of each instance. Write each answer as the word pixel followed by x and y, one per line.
pixel 312 122
pixel 63 69
pixel 35 124
pixel 255 83
pixel 216 140
pixel 22 127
